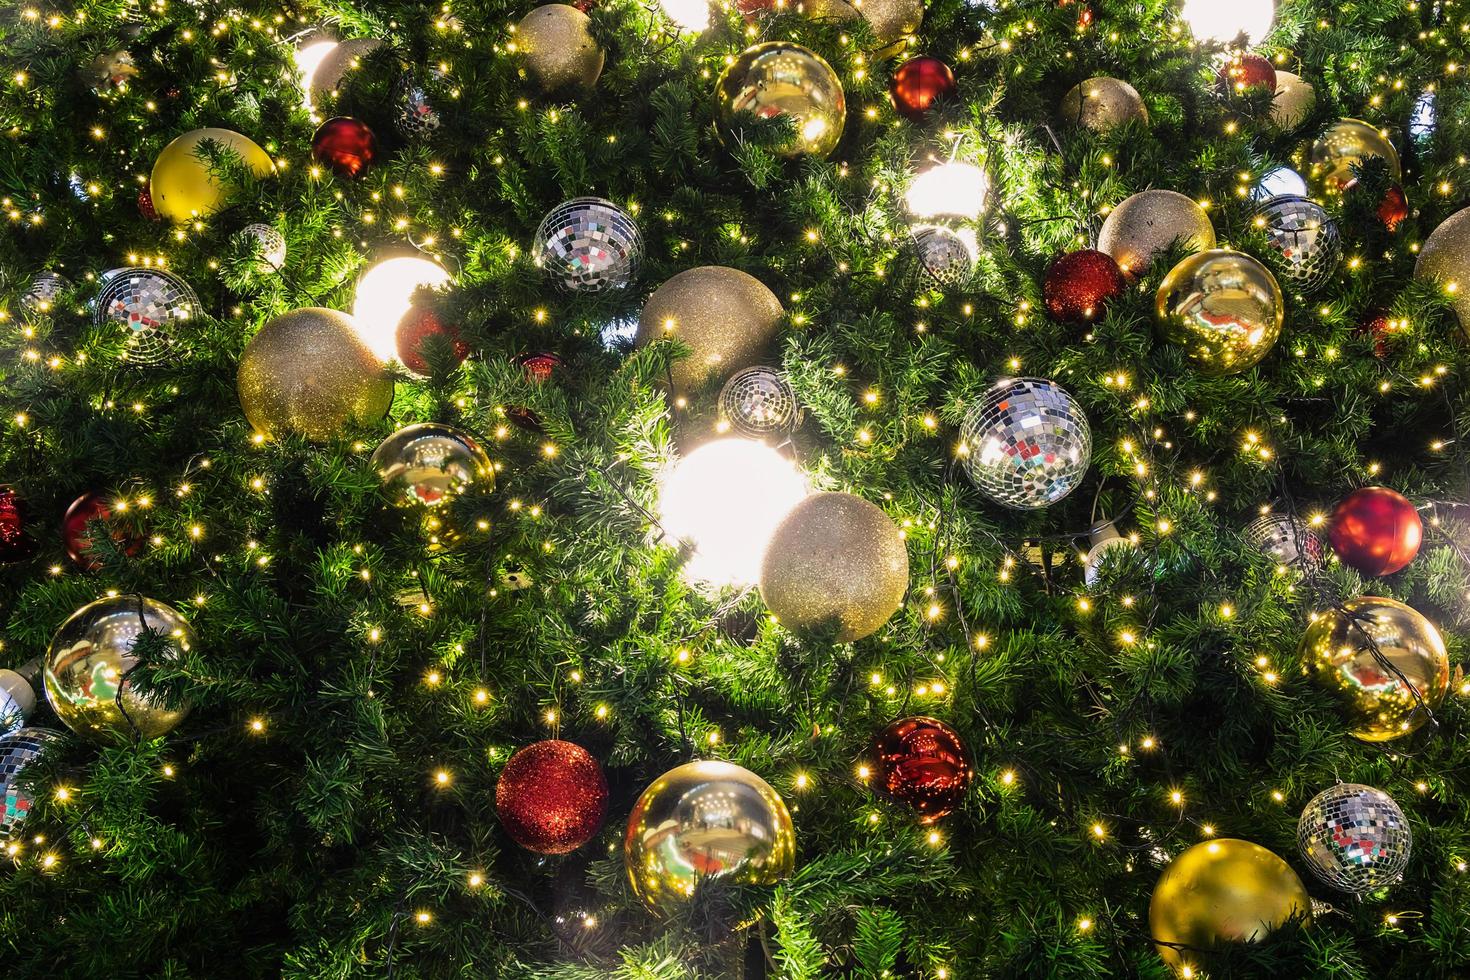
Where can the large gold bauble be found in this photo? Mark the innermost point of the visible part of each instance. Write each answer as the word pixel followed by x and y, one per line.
pixel 835 558
pixel 1147 223
pixel 308 371
pixel 88 662
pixel 1378 691
pixel 1445 258
pixel 181 185
pixel 1218 892
pixel 779 78
pixel 334 66
pixel 1225 308
pixel 1295 99
pixel 891 20
pixel 1102 104
pixel 1346 144
pixel 706 821
pixel 560 52
pixel 727 319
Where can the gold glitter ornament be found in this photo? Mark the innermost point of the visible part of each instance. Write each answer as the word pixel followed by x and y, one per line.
pixel 560 53
pixel 1102 104
pixel 1147 223
pixel 727 319
pixel 1445 258
pixel 779 78
pixel 1225 308
pixel 1346 144
pixel 308 371
pixel 835 558
pixel 1384 695
pixel 891 20
pixel 1295 99
pixel 181 185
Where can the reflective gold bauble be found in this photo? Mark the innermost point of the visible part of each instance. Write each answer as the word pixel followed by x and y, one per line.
pixel 182 187
pixel 87 666
pixel 327 77
pixel 426 466
pixel 706 821
pixel 1346 144
pixel 1385 693
pixel 781 79
pixel 560 52
pixel 890 20
pixel 835 559
pixel 1102 104
pixel 727 319
pixel 1445 258
pixel 1147 223
pixel 1295 99
pixel 1218 892
pixel 1224 308
pixel 308 371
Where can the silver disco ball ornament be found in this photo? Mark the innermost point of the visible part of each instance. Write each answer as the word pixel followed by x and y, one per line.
pixel 1307 238
pixel 17 750
pixel 149 304
pixel 758 402
pixel 414 114
pixel 588 245
pixel 1287 539
pixel 1026 443
pixel 270 247
pixel 945 255
pixel 1354 838
pixel 40 295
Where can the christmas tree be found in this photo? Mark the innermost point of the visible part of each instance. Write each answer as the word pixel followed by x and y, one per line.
pixel 620 489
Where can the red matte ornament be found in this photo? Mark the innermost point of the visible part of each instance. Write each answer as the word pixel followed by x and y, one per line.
pixel 145 203
pixel 919 83
pixel 1079 286
pixel 538 367
pixel 922 763
pixel 15 543
pixel 1394 208
pixel 419 324
pixel 552 797
pixel 85 509
pixel 345 144
pixel 1247 73
pixel 1376 530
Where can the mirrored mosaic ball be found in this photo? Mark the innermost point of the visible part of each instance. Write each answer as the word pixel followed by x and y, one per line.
pixel 41 294
pixel 1354 838
pixel 944 255
pixel 1287 539
pixel 759 401
pixel 16 752
pixel 589 244
pixel 1027 443
pixel 1307 238
pixel 272 247
pixel 415 114
pixel 149 303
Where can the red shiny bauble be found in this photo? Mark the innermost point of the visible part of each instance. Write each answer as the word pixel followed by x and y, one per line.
pixel 345 144
pixel 1079 285
pixel 145 204
pixel 552 797
pixel 15 543
pixel 919 83
pixel 586 6
pixel 1084 13
pixel 921 762
pixel 1375 530
pixel 416 327
pixel 1247 74
pixel 538 367
pixel 83 511
pixel 1394 208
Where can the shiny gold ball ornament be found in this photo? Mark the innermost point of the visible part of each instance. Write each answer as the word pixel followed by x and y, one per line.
pixel 890 20
pixel 330 71
pixel 1295 99
pixel 425 467
pixel 1225 308
pixel 1386 661
pixel 1218 892
pixel 1445 258
pixel 182 186
pixel 308 371
pixel 835 558
pixel 1147 223
pixel 727 319
pixel 560 52
pixel 1348 143
pixel 781 79
pixel 87 665
pixel 1102 104
pixel 703 822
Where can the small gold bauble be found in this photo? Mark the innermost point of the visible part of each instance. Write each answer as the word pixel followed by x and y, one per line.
pixel 87 668
pixel 706 821
pixel 1346 144
pixel 181 186
pixel 1218 892
pixel 779 78
pixel 1295 98
pixel 308 371
pixel 727 319
pixel 1147 223
pixel 327 77
pixel 1445 258
pixel 1378 691
pixel 425 467
pixel 835 558
pixel 891 20
pixel 1225 308
pixel 1102 104
pixel 560 52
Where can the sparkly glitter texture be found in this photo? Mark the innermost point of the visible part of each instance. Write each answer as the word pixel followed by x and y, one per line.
pixel 560 52
pixel 1295 99
pixel 1028 443
pixel 1224 308
pixel 1354 838
pixel 779 78
pixel 1376 530
pixel 588 244
pixel 269 246
pixel 758 402
pixel 16 752
pixel 333 68
pixel 946 256
pixel 891 20
pixel 1146 224
pixel 15 543
pixel 551 797
pixel 1307 239
pixel 1102 104
pixel 415 115
pixel 149 304
pixel 1445 258
pixel 1079 285
pixel 725 317
pixel 1344 145
pixel 921 763
pixel 41 294
pixel 1288 540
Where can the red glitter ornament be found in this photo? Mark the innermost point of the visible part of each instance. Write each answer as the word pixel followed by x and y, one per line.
pixel 15 543
pixel 145 203
pixel 345 144
pixel 1394 208
pixel 918 84
pixel 418 325
pixel 552 797
pixel 921 762
pixel 1079 286
pixel 538 367
pixel 1084 13
pixel 85 509
pixel 1247 74
pixel 1376 530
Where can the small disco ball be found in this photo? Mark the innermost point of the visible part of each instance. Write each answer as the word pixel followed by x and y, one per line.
pixel 944 254
pixel 414 114
pixel 1307 238
pixel 1354 838
pixel 16 752
pixel 148 303
pixel 272 247
pixel 1287 539
pixel 759 401
pixel 41 294
pixel 1027 443
pixel 588 245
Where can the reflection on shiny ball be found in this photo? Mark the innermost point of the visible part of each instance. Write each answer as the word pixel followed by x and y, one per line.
pixel 1346 144
pixel 1225 308
pixel 1306 238
pixel 1027 443
pixel 429 464
pixel 759 402
pixel 1287 539
pixel 947 255
pixel 1354 838
pixel 149 304
pixel 588 244
pixel 781 79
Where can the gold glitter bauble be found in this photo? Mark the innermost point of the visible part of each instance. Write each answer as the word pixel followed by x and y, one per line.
pixel 1218 892
pixel 835 558
pixel 1146 224
pixel 1445 258
pixel 308 371
pixel 334 66
pixel 1102 104
pixel 1225 308
pixel 88 663
pixel 779 78
pixel 706 821
pixel 727 319
pixel 560 52
pixel 1378 690
pixel 1346 144
pixel 181 185
pixel 1295 99
pixel 891 20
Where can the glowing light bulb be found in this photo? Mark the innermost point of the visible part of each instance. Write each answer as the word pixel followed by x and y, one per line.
pixel 690 15
pixel 725 499
pixel 949 190
pixel 307 60
pixel 385 294
pixel 1212 20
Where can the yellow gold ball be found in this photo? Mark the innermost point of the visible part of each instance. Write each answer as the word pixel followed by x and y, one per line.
pixel 727 319
pixel 1224 308
pixel 781 79
pixel 1146 224
pixel 1102 104
pixel 1346 144
pixel 1445 258
pixel 182 187
pixel 560 52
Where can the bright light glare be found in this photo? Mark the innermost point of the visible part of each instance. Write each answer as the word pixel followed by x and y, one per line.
pixel 1279 181
pixel 1223 22
pixel 385 294
pixel 726 499
pixel 690 15
pixel 948 190
pixel 307 60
